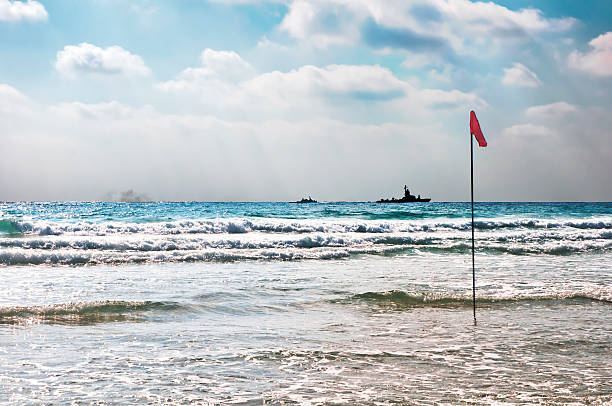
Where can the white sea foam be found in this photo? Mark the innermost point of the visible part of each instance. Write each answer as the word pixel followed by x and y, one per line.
pixel 46 242
pixel 81 252
pixel 78 257
pixel 502 296
pixel 245 225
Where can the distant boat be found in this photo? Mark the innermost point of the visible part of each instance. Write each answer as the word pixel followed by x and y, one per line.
pixel 408 198
pixel 304 200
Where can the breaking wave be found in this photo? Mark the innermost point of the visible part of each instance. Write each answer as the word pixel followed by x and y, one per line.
pixel 164 243
pixel 243 226
pixel 10 227
pixel 402 299
pixel 85 313
pixel 38 242
pixel 110 311
pixel 311 248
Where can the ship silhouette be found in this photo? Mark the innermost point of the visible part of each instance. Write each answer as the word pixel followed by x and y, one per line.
pixel 408 198
pixel 304 200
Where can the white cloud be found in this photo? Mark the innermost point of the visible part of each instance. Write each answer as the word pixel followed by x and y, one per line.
pixel 219 71
pixel 322 23
pixel 553 110
pixel 528 130
pixel 520 75
pixel 499 20
pixel 308 91
pixel 300 17
pixel 361 81
pixel 451 99
pixel 86 58
pixel 443 73
pixel 265 43
pixel 412 25
pixel 19 11
pixel 344 87
pixel 598 60
pixel 227 64
pixel 13 103
pixel 311 91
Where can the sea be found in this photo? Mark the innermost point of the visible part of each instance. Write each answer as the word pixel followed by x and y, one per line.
pixel 191 303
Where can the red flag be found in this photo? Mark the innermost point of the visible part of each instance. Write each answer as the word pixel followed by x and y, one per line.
pixel 476 131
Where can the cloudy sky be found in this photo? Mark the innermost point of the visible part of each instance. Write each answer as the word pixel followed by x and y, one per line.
pixel 279 99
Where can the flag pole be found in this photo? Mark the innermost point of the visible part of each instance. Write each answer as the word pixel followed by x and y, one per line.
pixel 472 195
pixel 476 132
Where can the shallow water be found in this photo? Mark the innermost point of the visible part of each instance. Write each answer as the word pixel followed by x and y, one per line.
pixel 190 303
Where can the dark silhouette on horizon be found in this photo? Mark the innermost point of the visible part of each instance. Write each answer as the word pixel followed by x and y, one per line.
pixel 304 200
pixel 408 198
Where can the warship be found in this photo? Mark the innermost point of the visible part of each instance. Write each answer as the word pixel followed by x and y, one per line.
pixel 304 200
pixel 408 198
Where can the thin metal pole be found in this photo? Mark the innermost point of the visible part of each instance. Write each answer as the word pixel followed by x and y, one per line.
pixel 472 190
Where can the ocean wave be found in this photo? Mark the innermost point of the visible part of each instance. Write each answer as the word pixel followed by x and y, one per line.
pixel 402 299
pixel 164 243
pixel 307 249
pixel 549 248
pixel 213 226
pixel 85 313
pixel 527 241
pixel 26 242
pixel 10 227
pixel 76 257
pixel 293 226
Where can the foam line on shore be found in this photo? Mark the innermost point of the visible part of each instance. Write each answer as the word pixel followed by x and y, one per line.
pixel 243 226
pixel 86 313
pixel 398 298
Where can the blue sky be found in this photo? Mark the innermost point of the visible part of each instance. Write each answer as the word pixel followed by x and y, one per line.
pixel 337 99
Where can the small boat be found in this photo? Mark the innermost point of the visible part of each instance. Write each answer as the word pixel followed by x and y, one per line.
pixel 304 200
pixel 408 198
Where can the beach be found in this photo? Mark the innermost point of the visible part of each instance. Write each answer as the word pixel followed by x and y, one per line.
pixel 320 303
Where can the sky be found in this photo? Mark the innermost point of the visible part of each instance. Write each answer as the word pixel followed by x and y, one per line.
pixel 341 100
